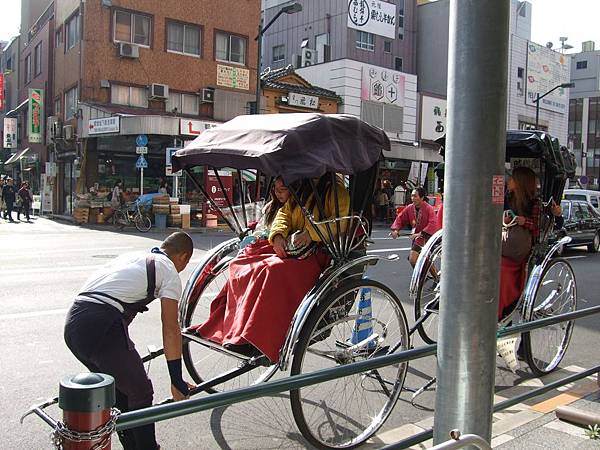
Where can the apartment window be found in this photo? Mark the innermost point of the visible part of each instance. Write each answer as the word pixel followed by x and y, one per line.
pixel 71 103
pixel 522 9
pixel 37 61
pixel 365 41
pixel 278 53
pixel 581 65
pixel 183 103
pixel 401 19
pixel 58 38
pixel 383 115
pixel 72 31
pixel 323 48
pixel 183 38
pixel 520 81
pixel 9 65
pixel 230 48
pixel 387 46
pixel 27 69
pixel 57 106
pixel 132 28
pixel 398 64
pixel 129 96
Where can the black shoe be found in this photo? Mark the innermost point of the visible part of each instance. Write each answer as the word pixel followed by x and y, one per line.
pixel 243 349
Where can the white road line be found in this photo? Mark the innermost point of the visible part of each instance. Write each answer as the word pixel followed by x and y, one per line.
pixel 50 312
pixel 33 252
pixel 387 250
pixel 29 270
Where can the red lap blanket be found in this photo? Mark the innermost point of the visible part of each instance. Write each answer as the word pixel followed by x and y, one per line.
pixel 512 283
pixel 258 302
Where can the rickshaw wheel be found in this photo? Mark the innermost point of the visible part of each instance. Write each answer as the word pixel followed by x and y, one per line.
pixel 203 363
pixel 427 300
pixel 344 328
pixel 555 294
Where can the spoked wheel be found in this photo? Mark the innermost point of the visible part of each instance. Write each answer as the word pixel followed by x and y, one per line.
pixel 142 222
pixel 360 320
pixel 555 294
pixel 203 363
pixel 119 219
pixel 427 300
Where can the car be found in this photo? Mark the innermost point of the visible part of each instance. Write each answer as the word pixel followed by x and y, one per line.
pixel 582 225
pixel 586 195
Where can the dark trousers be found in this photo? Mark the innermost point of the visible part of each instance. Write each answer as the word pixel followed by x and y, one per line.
pixel 24 209
pixel 9 210
pixel 98 337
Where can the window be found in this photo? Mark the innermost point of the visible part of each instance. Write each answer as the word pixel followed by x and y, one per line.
pixel 401 19
pixel 365 41
pixel 594 201
pixel 278 53
pixel 71 103
pixel 72 31
pixel 230 48
pixel 129 96
pixel 37 61
pixel 183 38
pixel 398 64
pixel 132 28
pixel 57 106
pixel 387 46
pixel 522 9
pixel 27 69
pixel 183 103
pixel 9 65
pixel 581 65
pixel 566 209
pixel 323 48
pixel 520 81
pixel 58 38
pixel 382 115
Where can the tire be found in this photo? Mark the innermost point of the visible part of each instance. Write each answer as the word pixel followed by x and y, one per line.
pixel 203 363
pixel 142 222
pixel 595 245
pixel 119 219
pixel 556 293
pixel 345 412
pixel 428 297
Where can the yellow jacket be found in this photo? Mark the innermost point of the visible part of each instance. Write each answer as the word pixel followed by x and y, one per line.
pixel 291 219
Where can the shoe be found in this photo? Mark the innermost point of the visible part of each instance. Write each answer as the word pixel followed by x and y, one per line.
pixel 243 349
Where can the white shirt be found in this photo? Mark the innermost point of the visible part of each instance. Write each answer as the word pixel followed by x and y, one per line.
pixel 126 280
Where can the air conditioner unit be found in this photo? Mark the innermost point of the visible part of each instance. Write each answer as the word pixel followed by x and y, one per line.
pixel 309 57
pixel 68 132
pixel 159 91
pixel 207 95
pixel 127 50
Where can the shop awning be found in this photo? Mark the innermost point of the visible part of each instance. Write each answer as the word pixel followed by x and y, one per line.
pixel 15 111
pixel 16 157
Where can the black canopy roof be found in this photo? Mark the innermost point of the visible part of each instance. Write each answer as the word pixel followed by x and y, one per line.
pixel 293 146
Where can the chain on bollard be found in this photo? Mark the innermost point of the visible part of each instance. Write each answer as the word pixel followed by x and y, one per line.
pixel 103 434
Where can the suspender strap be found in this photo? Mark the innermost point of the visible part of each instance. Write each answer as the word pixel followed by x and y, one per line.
pixel 151 278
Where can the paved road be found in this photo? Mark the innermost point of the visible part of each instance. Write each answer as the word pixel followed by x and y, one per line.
pixel 42 266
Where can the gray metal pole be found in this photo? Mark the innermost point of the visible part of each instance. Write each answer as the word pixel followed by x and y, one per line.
pixel 475 150
pixel 537 110
pixel 258 63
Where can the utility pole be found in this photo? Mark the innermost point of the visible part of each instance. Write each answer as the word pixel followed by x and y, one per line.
pixel 475 152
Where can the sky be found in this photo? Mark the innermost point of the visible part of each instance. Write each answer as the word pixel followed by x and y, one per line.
pixel 575 19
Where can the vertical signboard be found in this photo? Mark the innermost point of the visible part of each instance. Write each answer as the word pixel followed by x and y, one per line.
pixel 547 69
pixel 36 115
pixel 213 188
pixel 373 16
pixel 10 132
pixel 1 91
pixel 433 117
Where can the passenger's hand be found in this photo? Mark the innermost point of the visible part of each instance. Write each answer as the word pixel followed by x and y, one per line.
pixel 279 246
pixel 556 209
pixel 177 396
pixel 394 234
pixel 303 239
pixel 414 236
pixel 521 220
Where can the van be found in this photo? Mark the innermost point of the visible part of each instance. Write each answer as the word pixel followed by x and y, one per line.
pixel 586 195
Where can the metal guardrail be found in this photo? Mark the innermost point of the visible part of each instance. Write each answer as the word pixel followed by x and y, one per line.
pixel 168 411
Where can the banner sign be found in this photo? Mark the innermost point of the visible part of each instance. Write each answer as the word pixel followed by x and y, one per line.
pixel 304 101
pixel 1 91
pixel 233 77
pixel 213 188
pixel 36 115
pixel 190 127
pixel 383 85
pixel 10 132
pixel 433 117
pixel 547 69
pixel 373 16
pixel 104 125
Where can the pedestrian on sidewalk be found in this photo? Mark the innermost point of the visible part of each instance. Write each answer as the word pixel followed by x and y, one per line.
pixel 9 197
pixel 96 327
pixel 26 198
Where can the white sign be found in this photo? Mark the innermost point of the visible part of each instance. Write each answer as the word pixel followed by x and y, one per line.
pixel 51 169
pixel 304 101
pixel 189 127
pixel 104 125
pixel 547 69
pixel 373 16
pixel 233 77
pixel 433 117
pixel 168 163
pixel 10 132
pixel 383 85
pixel 47 193
pixel 141 163
pixel 141 150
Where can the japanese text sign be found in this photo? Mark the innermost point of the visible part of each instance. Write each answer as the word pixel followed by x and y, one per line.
pixel 433 117
pixel 383 85
pixel 373 16
pixel 36 115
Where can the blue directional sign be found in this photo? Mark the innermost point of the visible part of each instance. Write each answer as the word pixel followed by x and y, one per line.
pixel 141 140
pixel 141 163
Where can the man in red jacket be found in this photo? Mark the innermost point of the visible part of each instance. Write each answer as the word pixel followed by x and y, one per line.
pixel 421 217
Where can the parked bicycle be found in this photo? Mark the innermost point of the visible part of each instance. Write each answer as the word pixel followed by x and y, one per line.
pixel 132 213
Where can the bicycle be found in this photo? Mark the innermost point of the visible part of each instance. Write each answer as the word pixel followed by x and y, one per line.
pixel 131 213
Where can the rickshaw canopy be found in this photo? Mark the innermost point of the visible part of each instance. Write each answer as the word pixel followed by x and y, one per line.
pixel 293 146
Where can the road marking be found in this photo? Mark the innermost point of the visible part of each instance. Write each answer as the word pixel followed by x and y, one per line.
pixel 566 398
pixel 386 250
pixel 26 315
pixel 59 252
pixel 29 270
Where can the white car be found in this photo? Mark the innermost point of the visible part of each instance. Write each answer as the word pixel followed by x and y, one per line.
pixel 586 195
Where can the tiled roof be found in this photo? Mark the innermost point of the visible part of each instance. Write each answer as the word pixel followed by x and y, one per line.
pixel 269 78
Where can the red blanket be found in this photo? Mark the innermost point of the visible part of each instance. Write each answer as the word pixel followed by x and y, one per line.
pixel 512 282
pixel 258 302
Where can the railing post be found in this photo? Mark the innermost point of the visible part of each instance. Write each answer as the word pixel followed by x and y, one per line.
pixel 86 400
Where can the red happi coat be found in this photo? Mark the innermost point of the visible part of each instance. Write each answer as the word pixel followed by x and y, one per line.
pixel 425 221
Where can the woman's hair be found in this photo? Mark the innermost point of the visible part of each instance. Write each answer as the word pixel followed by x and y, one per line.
pixel 273 204
pixel 520 199
pixel 304 191
pixel 422 192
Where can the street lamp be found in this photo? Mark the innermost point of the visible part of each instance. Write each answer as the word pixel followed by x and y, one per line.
pixel 289 9
pixel 538 97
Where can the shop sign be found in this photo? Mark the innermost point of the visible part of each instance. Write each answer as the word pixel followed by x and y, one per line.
pixel 233 77
pixel 213 188
pixel 47 192
pixel 373 16
pixel 169 164
pixel 304 101
pixel 433 117
pixel 10 132
pixel 189 127
pixel 1 91
pixel 36 115
pixel 383 85
pixel 547 69
pixel 104 125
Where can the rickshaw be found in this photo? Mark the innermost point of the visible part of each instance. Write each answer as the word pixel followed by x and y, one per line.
pixel 550 288
pixel 345 317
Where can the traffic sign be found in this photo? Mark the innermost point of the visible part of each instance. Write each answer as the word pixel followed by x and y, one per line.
pixel 141 140
pixel 584 179
pixel 141 150
pixel 141 163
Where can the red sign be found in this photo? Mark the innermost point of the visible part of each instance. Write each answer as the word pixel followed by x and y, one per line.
pixel 1 91
pixel 213 189
pixel 498 190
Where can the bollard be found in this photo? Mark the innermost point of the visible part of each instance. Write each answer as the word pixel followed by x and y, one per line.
pixel 88 418
pixel 363 326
